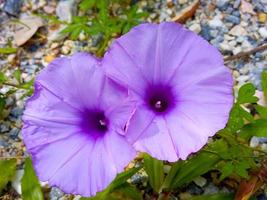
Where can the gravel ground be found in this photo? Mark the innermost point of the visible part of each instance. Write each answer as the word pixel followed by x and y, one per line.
pixel 233 26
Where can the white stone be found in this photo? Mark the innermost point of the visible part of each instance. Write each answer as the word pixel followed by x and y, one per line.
pixel 215 22
pixel 263 32
pixel 54 45
pixel 11 58
pixel 232 43
pixel 237 50
pixel 66 9
pixel 228 37
pixel 238 30
pixel 195 27
pixel 182 1
pixel 225 46
pixel 65 50
pixel 242 79
pixel 200 181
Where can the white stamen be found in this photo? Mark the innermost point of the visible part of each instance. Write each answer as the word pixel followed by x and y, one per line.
pixel 158 104
pixel 102 122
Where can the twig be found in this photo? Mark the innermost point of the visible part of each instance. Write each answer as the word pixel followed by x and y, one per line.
pixel 12 84
pixel 246 53
pixel 12 157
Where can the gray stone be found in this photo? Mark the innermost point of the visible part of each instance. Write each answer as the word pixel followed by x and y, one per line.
pixel 12 7
pixel 55 193
pixel 66 9
pixel 237 3
pixel 263 32
pixel 3 143
pixel 211 189
pixel 222 4
pixel 205 32
pixel 232 19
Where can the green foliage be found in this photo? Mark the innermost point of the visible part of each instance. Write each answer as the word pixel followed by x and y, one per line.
pixel 183 172
pixel 222 196
pixel 7 50
pixel 7 171
pixel 119 189
pixel 87 4
pixel 31 189
pixel 17 75
pixel 262 111
pixel 264 84
pixel 102 21
pixel 246 94
pixel 257 128
pixel 154 169
pixel 2 77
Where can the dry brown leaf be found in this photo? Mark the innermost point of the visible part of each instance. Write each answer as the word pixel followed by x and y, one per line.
pixel 248 188
pixel 186 13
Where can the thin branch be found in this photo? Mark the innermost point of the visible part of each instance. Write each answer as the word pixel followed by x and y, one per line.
pixel 12 157
pixel 246 53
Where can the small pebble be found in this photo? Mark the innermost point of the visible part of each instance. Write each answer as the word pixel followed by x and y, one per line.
pixel 195 27
pixel 262 17
pixel 263 32
pixel 232 19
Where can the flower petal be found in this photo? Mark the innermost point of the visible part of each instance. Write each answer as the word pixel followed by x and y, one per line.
pixel 91 165
pixel 157 142
pixel 88 78
pixel 46 109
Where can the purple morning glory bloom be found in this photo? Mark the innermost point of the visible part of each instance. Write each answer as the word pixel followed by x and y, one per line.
pixel 74 126
pixel 183 89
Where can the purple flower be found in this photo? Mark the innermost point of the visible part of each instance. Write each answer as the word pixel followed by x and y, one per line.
pixel 183 89
pixel 74 126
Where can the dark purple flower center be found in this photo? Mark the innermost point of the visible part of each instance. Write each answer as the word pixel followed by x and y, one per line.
pixel 159 98
pixel 94 122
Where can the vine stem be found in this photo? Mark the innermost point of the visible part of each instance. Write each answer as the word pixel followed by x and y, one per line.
pixel 246 53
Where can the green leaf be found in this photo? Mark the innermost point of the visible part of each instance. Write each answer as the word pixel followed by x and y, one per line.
pixel 199 164
pixel 246 94
pixel 75 33
pixel 256 128
pixel 241 168
pixel 30 186
pixel 236 118
pixel 264 84
pixel 262 111
pixel 123 177
pixel 213 197
pixel 226 170
pixel 2 104
pixel 2 77
pixel 126 192
pixel 28 85
pixel 87 4
pixel 120 180
pixel 154 169
pixel 7 171
pixel 8 50
pixel 17 75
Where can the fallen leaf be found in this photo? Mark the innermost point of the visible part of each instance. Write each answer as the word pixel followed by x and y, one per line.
pixel 26 28
pixel 186 13
pixel 248 188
